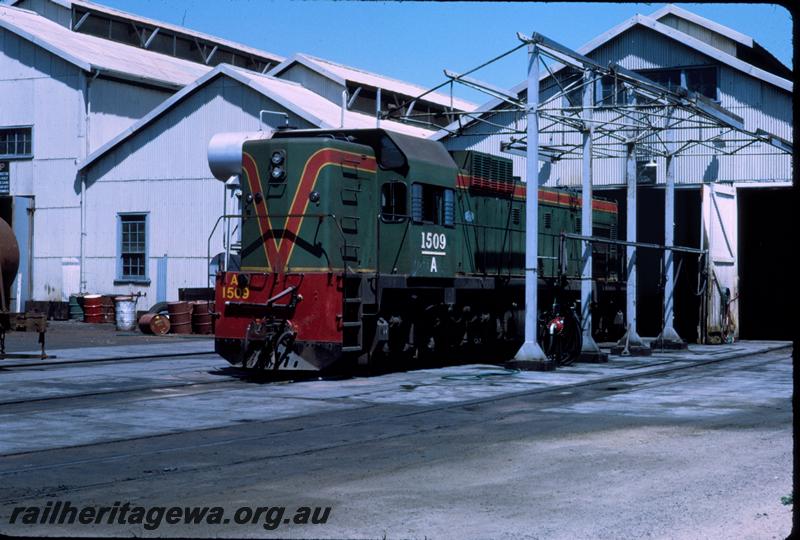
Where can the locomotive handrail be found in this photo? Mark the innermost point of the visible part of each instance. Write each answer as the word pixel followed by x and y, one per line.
pixel 597 239
pixel 257 215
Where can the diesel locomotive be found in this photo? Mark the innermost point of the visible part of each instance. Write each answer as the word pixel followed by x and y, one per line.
pixel 368 246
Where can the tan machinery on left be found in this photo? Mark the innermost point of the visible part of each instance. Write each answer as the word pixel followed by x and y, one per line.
pixel 9 321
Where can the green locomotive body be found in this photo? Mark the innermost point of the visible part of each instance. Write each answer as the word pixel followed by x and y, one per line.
pixel 367 245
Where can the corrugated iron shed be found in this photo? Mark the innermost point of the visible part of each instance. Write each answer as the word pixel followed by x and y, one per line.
pixel 343 74
pixel 93 53
pixel 138 20
pixel 301 101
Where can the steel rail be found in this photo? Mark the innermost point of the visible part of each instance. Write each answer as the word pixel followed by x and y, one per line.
pixel 103 360
pixel 119 391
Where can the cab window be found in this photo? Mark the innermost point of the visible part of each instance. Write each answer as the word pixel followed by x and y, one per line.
pixel 433 205
pixel 393 202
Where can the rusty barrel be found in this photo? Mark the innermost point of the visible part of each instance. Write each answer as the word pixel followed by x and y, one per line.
pixel 180 317
pixel 108 309
pixel 201 317
pixel 154 323
pixel 93 308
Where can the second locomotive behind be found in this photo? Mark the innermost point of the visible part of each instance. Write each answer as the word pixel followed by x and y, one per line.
pixel 369 246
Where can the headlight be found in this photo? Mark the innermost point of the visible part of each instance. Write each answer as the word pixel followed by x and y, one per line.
pixel 277 158
pixel 277 173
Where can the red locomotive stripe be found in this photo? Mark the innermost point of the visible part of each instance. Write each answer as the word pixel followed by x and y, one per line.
pixel 308 180
pixel 545 195
pixel 277 251
pixel 254 182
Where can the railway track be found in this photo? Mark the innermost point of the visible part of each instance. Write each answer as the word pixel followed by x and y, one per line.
pixel 603 386
pixel 115 360
pixel 116 393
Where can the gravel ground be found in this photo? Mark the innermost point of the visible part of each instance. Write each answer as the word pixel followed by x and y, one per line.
pixel 74 334
pixel 700 453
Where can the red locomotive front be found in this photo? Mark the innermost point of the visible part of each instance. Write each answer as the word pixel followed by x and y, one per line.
pixel 285 307
pixel 279 321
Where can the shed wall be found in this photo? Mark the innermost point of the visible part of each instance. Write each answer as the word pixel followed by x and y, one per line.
pixel 39 89
pixel 330 90
pixel 50 10
pixel 115 106
pixel 703 34
pixel 163 170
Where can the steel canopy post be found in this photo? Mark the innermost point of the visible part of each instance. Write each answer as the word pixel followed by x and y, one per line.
pixel 669 338
pixel 631 343
pixel 530 356
pixel 590 352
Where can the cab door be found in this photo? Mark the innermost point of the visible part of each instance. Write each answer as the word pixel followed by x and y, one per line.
pixel 433 243
pixel 394 222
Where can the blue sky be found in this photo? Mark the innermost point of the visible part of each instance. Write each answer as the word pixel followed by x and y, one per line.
pixel 415 41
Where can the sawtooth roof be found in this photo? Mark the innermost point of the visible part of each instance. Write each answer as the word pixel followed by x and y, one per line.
pixel 342 74
pixel 91 53
pixel 182 30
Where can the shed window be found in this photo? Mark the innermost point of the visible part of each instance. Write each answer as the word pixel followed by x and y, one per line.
pixel 132 247
pixel 703 81
pixel 671 78
pixel 394 202
pixel 16 142
pixel 434 205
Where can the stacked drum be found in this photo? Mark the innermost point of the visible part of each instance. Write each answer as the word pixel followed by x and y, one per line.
pixel 108 309
pixel 180 317
pixel 201 317
pixel 93 311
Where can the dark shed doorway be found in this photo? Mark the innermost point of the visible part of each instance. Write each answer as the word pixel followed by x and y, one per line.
pixel 766 244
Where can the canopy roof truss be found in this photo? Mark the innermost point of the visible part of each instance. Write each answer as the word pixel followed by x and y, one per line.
pixel 634 111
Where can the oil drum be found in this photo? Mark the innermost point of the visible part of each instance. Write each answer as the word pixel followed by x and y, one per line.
pixel 180 317
pixel 75 309
pixel 154 323
pixel 201 317
pixel 108 309
pixel 93 309
pixel 125 312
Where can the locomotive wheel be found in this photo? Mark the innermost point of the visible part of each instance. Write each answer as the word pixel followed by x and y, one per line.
pixel 283 347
